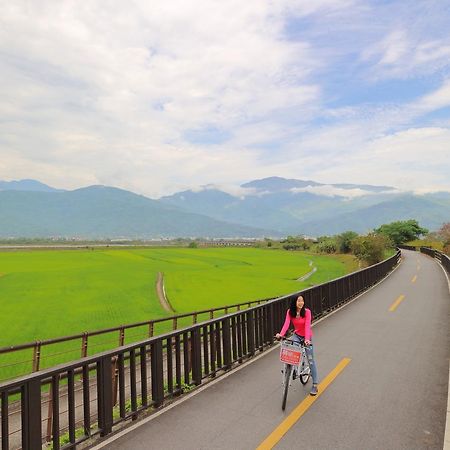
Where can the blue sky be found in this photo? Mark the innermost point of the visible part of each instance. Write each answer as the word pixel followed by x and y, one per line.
pixel 155 97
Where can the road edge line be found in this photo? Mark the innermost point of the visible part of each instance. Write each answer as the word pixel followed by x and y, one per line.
pixel 447 421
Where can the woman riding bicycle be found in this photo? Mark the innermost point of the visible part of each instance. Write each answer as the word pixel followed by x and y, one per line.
pixel 301 320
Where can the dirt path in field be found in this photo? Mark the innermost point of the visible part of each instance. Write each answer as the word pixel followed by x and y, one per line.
pixel 307 275
pixel 164 302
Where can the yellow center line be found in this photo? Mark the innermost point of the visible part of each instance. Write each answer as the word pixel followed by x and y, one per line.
pixel 298 412
pixel 414 278
pixel 396 303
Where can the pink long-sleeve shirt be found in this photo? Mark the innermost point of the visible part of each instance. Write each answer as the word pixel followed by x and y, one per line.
pixel 302 325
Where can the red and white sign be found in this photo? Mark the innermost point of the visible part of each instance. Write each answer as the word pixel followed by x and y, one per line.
pixel 290 355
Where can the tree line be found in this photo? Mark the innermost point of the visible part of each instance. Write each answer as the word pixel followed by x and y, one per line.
pixel 371 247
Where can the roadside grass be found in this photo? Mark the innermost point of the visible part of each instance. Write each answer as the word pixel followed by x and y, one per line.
pixel 48 294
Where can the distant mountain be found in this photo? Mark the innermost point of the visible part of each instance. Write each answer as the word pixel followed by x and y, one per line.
pixel 105 212
pixel 26 185
pixel 269 207
pixel 307 207
pixel 429 212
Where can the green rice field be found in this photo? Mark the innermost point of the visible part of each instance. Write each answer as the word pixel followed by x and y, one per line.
pixel 51 293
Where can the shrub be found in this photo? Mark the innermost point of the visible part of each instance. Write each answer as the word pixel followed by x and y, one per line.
pixel 327 246
pixel 344 241
pixel 370 248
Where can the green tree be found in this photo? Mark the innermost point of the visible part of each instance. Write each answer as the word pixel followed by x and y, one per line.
pixel 370 248
pixel 344 241
pixel 402 231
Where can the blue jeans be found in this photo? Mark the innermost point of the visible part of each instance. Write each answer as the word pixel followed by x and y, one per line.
pixel 310 354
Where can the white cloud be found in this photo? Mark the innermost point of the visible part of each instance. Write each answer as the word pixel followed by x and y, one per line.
pixel 406 52
pixel 333 191
pixel 440 98
pixel 414 159
pixel 107 93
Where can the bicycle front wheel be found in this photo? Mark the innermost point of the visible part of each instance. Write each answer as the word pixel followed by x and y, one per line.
pixel 304 378
pixel 305 373
pixel 287 376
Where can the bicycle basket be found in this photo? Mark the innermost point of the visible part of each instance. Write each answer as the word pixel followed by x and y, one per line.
pixel 290 354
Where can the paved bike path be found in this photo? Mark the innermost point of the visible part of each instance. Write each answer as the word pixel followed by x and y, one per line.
pixel 392 395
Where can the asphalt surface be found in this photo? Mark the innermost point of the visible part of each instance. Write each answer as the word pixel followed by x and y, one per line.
pixel 392 395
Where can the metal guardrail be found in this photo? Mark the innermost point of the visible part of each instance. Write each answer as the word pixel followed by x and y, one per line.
pixel 100 392
pixel 436 254
pixel 83 344
pixel 407 247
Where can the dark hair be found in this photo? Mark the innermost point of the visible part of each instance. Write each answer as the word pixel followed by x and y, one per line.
pixel 293 307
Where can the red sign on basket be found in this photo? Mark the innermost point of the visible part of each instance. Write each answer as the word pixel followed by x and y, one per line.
pixel 290 356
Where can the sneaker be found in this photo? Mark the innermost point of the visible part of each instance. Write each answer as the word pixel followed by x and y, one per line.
pixel 314 390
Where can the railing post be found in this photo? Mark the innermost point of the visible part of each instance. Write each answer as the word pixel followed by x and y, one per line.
pixel 196 356
pixel 104 395
pixel 36 356
pixel 121 336
pixel 31 415
pixel 48 437
pixel 84 345
pixel 115 378
pixel 115 370
pixel 226 339
pixel 250 333
pixel 270 329
pixel 156 355
pixel 5 420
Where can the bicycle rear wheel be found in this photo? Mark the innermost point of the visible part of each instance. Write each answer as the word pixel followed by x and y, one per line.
pixel 287 376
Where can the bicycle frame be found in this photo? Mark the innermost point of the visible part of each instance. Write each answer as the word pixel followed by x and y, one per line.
pixel 293 356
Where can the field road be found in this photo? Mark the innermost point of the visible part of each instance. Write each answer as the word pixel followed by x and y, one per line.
pixel 391 346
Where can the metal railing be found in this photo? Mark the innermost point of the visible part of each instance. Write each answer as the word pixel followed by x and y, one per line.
pixel 407 247
pixel 436 254
pixel 34 356
pixel 92 395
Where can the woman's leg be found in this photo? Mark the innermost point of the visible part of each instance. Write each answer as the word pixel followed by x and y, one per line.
pixel 312 363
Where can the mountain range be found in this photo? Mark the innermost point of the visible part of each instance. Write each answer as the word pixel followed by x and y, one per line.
pixel 269 207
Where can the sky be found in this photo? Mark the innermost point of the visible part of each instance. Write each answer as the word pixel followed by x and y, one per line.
pixel 161 96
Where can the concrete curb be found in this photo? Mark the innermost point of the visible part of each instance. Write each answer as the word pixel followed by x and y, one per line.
pixel 141 422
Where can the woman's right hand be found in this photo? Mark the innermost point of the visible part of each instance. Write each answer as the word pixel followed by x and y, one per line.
pixel 278 336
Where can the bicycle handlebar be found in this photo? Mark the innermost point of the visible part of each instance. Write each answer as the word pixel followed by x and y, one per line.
pixel 284 338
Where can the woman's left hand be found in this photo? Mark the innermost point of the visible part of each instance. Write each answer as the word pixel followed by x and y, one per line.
pixel 307 342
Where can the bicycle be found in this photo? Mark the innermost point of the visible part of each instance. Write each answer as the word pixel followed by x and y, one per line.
pixel 293 356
